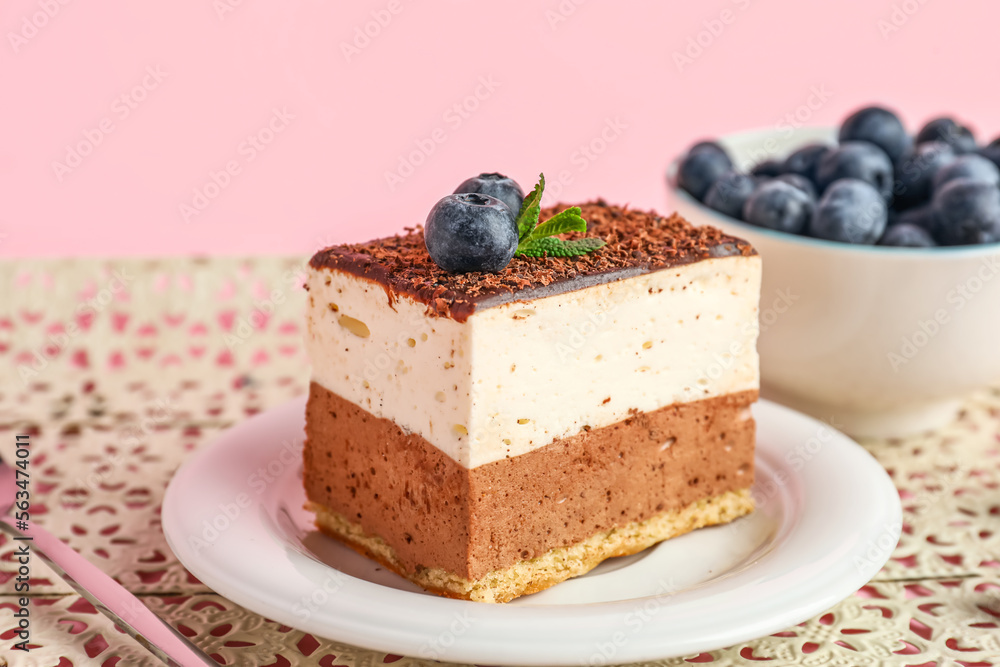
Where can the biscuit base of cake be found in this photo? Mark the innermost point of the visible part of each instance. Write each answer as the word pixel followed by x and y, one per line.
pixel 552 567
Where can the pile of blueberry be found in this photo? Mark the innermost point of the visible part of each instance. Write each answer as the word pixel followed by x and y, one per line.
pixel 878 185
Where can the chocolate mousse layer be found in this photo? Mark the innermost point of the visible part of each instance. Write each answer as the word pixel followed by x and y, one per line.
pixel 637 242
pixel 435 513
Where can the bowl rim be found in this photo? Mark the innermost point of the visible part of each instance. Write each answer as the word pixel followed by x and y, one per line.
pixel 983 249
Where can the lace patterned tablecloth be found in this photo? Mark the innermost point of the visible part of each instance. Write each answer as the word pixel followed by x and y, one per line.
pixel 119 369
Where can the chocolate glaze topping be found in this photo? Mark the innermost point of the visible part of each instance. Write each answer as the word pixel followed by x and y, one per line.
pixel 637 242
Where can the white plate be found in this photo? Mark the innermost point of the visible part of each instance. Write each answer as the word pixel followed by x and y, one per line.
pixel 827 519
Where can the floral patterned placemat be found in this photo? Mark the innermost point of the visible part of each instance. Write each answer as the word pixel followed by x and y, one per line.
pixel 119 369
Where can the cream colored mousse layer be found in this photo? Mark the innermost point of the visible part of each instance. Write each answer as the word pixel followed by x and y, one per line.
pixel 515 377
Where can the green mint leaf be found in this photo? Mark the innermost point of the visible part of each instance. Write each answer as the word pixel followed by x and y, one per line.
pixel 581 246
pixel 553 247
pixel 531 207
pixel 539 240
pixel 538 247
pixel 569 220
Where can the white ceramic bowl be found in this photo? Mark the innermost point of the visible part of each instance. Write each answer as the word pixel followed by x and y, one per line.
pixel 876 341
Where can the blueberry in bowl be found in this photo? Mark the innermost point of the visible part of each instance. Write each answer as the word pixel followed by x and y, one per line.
pixel 803 161
pixel 918 216
pixel 907 235
pixel 879 126
pixel 730 192
pixel 991 151
pixel 851 211
pixel 768 169
pixel 704 163
pixel 967 211
pixel 799 181
pixel 779 205
pixel 860 160
pixel 969 166
pixel 915 173
pixel 949 131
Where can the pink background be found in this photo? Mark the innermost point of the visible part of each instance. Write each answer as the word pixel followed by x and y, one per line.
pixel 563 73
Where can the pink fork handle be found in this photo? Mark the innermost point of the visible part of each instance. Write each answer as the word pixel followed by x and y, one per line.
pixel 110 597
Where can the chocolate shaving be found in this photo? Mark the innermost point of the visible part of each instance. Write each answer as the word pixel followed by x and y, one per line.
pixel 637 242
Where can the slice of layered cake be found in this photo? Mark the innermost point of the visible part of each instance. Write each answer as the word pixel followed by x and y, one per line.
pixel 489 434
